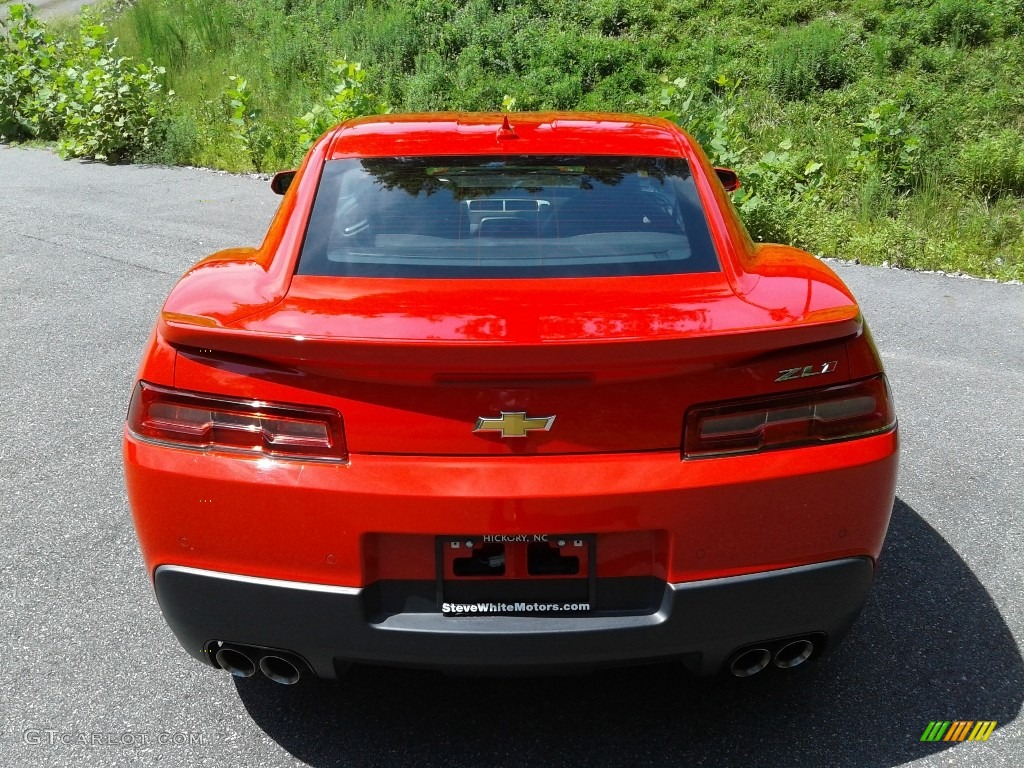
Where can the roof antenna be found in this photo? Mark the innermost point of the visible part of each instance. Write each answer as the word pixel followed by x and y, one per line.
pixel 506 131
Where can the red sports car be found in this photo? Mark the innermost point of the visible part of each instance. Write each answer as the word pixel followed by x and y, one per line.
pixel 509 392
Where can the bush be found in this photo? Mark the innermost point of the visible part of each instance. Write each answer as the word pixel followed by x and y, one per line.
pixel 620 17
pixel 108 103
pixel 808 59
pixel 889 53
pixel 175 139
pixel 31 64
pixel 76 90
pixel 779 186
pixel 784 12
pixel 781 190
pixel 963 23
pixel 427 89
pixel 349 98
pixel 993 166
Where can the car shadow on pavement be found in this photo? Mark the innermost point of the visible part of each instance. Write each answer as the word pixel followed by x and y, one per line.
pixel 930 645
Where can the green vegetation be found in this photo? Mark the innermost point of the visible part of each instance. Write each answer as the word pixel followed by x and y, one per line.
pixel 881 130
pixel 75 88
pixel 806 59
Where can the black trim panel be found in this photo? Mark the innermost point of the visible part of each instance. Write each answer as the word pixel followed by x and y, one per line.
pixel 700 622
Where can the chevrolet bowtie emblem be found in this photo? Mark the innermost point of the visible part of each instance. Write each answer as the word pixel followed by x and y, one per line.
pixel 514 424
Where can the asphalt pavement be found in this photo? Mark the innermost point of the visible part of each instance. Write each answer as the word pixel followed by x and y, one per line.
pixel 91 676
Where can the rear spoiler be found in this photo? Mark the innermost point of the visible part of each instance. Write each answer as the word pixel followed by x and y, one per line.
pixel 430 359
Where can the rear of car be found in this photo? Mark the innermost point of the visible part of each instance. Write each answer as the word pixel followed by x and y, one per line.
pixel 495 396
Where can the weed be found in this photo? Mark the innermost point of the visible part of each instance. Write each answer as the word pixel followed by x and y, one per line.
pixel 886 148
pixel 246 127
pixel 808 59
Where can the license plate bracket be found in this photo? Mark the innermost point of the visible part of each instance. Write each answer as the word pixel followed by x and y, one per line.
pixel 516 574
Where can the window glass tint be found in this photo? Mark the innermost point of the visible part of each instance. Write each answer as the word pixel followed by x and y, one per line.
pixel 516 216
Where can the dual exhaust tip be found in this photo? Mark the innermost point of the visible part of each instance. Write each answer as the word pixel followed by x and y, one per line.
pixel 284 669
pixel 242 661
pixel 787 654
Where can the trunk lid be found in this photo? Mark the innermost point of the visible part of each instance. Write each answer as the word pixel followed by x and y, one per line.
pixel 415 366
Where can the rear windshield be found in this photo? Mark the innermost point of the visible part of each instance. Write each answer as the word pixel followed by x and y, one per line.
pixel 517 216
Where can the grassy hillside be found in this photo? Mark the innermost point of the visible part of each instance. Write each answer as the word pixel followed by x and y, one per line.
pixel 881 130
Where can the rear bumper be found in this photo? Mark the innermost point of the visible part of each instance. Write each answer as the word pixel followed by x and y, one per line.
pixel 377 517
pixel 308 558
pixel 700 623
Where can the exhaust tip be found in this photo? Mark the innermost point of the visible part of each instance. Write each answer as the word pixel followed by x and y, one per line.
pixel 235 662
pixel 793 654
pixel 750 662
pixel 280 670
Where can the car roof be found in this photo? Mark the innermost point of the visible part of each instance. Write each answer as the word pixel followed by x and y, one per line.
pixel 525 133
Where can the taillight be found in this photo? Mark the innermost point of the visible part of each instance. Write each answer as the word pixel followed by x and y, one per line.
pixel 783 421
pixel 194 420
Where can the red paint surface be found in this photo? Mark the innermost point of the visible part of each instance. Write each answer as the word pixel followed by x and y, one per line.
pixel 411 364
